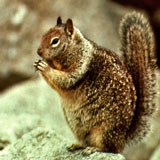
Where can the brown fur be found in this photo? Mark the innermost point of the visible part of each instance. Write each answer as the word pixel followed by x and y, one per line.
pixel 100 98
pixel 139 54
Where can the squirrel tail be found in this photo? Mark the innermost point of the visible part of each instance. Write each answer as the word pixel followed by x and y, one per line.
pixel 138 49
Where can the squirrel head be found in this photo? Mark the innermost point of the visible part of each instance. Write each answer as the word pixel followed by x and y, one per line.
pixel 58 41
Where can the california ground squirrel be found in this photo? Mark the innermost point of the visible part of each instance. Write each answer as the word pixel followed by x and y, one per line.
pixel 106 102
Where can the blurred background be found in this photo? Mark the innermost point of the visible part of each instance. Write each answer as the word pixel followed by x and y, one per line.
pixel 22 24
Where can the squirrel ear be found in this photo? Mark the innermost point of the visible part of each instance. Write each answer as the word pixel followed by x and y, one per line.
pixel 59 21
pixel 69 27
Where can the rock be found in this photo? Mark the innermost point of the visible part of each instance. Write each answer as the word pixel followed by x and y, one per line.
pixel 18 17
pixel 156 154
pixel 46 144
pixel 27 106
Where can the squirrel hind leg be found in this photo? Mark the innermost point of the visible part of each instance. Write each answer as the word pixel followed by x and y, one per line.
pixel 113 140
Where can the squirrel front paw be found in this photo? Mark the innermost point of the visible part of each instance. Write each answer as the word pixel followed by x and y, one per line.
pixel 41 65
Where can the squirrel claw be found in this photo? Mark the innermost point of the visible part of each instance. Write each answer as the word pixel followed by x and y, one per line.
pixel 74 147
pixel 90 150
pixel 40 65
pixel 85 151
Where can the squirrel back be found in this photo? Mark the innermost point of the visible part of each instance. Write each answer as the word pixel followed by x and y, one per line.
pixel 139 56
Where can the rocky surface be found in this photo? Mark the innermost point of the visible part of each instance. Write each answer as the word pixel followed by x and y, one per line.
pixel 32 104
pixel 25 107
pixel 46 145
pixel 156 154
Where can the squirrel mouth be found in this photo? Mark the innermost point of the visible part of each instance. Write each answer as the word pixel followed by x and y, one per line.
pixel 54 64
pixel 50 63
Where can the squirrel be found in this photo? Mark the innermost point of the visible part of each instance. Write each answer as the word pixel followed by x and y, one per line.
pixel 107 101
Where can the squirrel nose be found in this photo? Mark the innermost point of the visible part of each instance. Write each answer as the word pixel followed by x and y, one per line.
pixel 39 51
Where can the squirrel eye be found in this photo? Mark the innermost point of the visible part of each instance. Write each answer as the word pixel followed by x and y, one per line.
pixel 55 42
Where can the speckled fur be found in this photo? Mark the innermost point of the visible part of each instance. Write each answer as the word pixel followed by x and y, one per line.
pixel 138 49
pixel 100 115
pixel 97 90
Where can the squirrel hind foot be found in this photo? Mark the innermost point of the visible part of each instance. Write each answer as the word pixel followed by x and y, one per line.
pixel 75 147
pixel 85 150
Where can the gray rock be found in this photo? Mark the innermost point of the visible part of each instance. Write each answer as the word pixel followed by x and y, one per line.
pixel 156 154
pixel 27 106
pixel 42 144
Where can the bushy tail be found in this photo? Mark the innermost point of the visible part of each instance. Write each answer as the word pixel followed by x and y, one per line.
pixel 139 55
